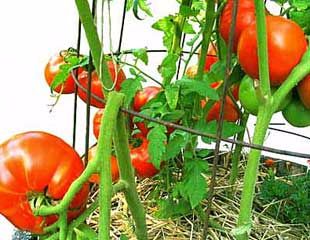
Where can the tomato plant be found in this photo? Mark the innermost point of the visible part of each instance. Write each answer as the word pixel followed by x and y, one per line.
pixel 95 178
pixel 52 68
pixel 245 16
pixel 117 75
pixel 140 159
pixel 303 89
pixel 34 166
pixel 285 38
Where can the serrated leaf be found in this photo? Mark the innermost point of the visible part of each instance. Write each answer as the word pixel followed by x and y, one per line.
pixel 186 11
pixel 166 25
pixel 172 95
pixel 194 186
pixel 177 141
pixel 144 7
pixel 157 140
pixel 173 209
pixel 198 86
pixel 168 66
pixel 130 87
pixel 229 129
pixel 141 54
pixel 188 28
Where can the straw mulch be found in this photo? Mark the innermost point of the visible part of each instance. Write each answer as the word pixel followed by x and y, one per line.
pixel 224 212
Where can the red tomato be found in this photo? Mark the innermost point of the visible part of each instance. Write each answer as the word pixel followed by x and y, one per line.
pixel 37 164
pixel 235 90
pixel 231 113
pixel 95 178
pixel 140 160
pixel 211 58
pixel 97 122
pixel 303 89
pixel 141 98
pixel 52 68
pixel 269 162
pixel 245 16
pixel 96 85
pixel 286 45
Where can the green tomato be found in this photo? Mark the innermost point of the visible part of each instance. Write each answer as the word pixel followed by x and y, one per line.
pixel 297 114
pixel 248 97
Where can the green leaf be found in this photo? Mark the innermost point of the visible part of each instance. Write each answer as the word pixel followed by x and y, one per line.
pixel 194 185
pixel 130 87
pixel 300 4
pixel 229 129
pixel 173 116
pixel 178 140
pixel 188 28
pixel 198 86
pixel 157 139
pixel 141 54
pixel 173 209
pixel 144 7
pixel 168 66
pixel 166 25
pixel 302 18
pixel 172 95
pixel 123 237
pixel 186 11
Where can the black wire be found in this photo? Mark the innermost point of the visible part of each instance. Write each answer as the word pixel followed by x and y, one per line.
pixel 122 28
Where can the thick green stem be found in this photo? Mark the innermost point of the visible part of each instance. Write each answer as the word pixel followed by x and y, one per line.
pixel 63 225
pixel 93 41
pixel 237 152
pixel 127 174
pixel 262 48
pixel 107 127
pixel 244 221
pixel 206 36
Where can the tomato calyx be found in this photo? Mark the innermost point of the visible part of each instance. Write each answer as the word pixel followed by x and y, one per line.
pixel 38 199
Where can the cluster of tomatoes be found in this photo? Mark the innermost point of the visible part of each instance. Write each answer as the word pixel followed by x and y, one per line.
pixel 286 45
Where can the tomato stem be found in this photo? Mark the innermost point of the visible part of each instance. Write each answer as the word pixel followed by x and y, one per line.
pixel 94 43
pixel 127 175
pixel 262 48
pixel 104 150
pixel 63 225
pixel 244 221
pixel 237 152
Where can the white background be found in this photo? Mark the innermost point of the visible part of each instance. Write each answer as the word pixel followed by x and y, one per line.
pixel 32 31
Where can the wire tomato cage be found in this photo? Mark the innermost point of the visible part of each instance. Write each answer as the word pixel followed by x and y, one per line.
pixel 218 136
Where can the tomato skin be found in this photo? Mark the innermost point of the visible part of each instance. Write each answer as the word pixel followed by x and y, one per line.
pixel 297 114
pixel 145 95
pixel 97 122
pixel 52 68
pixel 286 46
pixel 269 163
pixel 141 98
pixel 95 178
pixel 37 163
pixel 303 89
pixel 245 16
pixel 231 113
pixel 96 85
pixel 140 160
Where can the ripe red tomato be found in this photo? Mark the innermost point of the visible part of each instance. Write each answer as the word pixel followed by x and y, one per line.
pixel 211 58
pixel 140 160
pixel 231 113
pixel 286 45
pixel 97 122
pixel 245 16
pixel 96 85
pixel 95 178
pixel 303 89
pixel 269 162
pixel 37 164
pixel 141 98
pixel 52 68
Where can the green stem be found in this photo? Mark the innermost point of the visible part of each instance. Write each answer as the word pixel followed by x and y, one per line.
pixel 262 48
pixel 262 123
pixel 107 127
pixel 206 36
pixel 127 174
pixel 94 42
pixel 237 152
pixel 63 225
